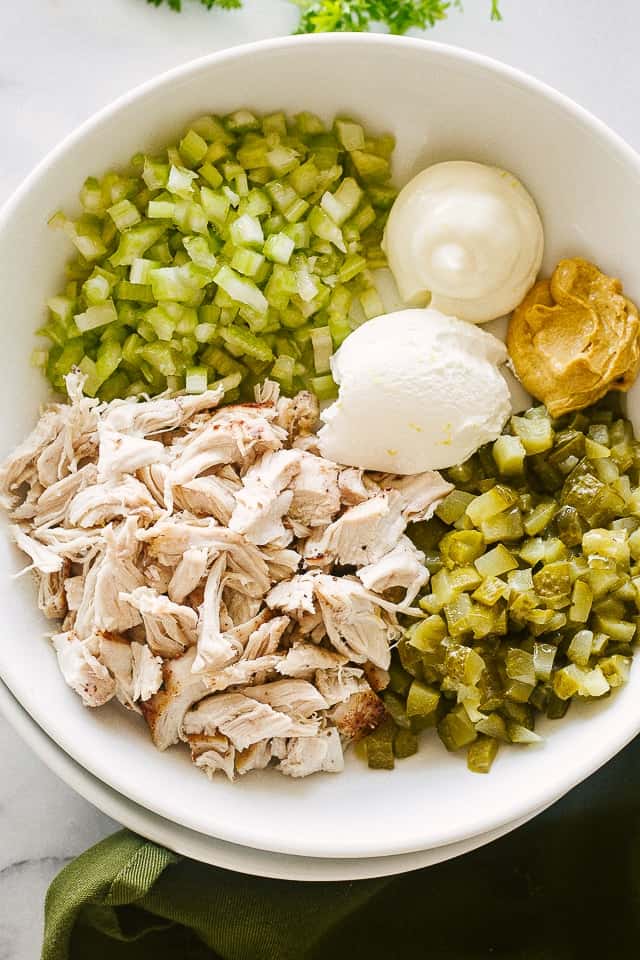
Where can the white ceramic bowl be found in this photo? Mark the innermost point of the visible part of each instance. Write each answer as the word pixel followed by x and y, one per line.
pixel 441 103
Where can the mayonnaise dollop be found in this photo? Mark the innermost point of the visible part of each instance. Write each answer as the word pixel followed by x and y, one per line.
pixel 418 391
pixel 466 239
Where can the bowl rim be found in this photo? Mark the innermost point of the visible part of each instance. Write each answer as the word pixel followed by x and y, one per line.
pixel 602 751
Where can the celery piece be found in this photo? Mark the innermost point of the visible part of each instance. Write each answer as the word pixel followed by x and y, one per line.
pixel 246 342
pixel 160 357
pixel 324 387
pixel 247 262
pixel 96 316
pixel 371 303
pixel 124 214
pixel 135 241
pixel 282 371
pixel 215 204
pixel 180 182
pixel 495 562
pixel 196 379
pixel 96 290
pixel 349 134
pixel 241 289
pixel 155 174
pixel 193 148
pixel 322 349
pixel 211 174
pixel 278 248
pixel 323 226
pixel 369 167
pixel 246 231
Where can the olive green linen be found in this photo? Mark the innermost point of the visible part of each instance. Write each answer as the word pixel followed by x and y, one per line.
pixel 565 886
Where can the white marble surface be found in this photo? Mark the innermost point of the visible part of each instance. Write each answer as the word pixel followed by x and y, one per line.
pixel 60 60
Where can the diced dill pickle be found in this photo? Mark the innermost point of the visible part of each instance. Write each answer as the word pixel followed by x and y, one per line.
pixel 557 707
pixel 488 504
pixel 616 669
pixel 456 729
pixel 579 650
pixel 422 700
pixel 427 534
pixel 581 600
pixel 536 434
pixel 533 551
pixel 520 734
pixel 463 664
pixel 405 744
pixel 481 754
pixel 567 443
pixel 540 517
pixel 566 682
pixel 607 543
pixel 509 454
pixel 379 746
pixel 429 633
pixel 518 691
pixel 493 726
pixel 619 630
pixel 539 698
pixel 490 591
pixel 520 666
pixel 634 544
pixel 410 659
pixel 595 502
pixel 453 506
pixel 504 526
pixel 543 657
pixel 457 615
pixel 495 562
pixel 594 450
pixel 520 581
pixel 553 580
pixel 461 547
pixel 569 526
pixel 464 579
pixel 399 679
pixel 396 709
pixel 520 712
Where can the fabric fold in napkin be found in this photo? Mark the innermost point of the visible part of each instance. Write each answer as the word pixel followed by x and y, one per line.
pixel 566 885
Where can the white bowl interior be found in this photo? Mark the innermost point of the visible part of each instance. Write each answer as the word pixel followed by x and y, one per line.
pixel 440 103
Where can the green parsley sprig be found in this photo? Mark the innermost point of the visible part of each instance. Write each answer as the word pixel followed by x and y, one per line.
pixel 357 16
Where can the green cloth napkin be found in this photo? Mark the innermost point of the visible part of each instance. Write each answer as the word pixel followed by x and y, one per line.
pixel 565 886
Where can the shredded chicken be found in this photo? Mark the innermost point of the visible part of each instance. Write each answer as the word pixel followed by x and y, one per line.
pixel 194 555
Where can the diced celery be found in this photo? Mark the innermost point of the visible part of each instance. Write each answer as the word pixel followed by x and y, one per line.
pixel 370 168
pixel 324 227
pixel 324 387
pixel 246 342
pixel 196 379
pixel 96 316
pixel 241 289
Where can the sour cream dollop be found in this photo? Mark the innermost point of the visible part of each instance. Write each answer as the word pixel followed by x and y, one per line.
pixel 466 239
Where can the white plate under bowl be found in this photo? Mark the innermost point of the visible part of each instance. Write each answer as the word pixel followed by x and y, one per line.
pixel 230 856
pixel 440 102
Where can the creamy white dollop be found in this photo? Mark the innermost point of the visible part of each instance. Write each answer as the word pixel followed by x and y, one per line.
pixel 418 391
pixel 465 238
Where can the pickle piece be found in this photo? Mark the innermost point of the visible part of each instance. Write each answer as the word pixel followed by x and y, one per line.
pixel 581 600
pixel 461 547
pixel 453 506
pixel 429 634
pixel 422 700
pixel 405 744
pixel 509 454
pixel 490 591
pixel 463 664
pixel 536 433
pixel 379 746
pixel 456 729
pixel 495 562
pixel 488 504
pixel 481 754
pixel 540 517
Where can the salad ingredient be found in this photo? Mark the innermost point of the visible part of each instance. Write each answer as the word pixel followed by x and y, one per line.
pixel 418 391
pixel 194 555
pixel 327 16
pixel 575 337
pixel 236 252
pixel 465 238
pixel 520 629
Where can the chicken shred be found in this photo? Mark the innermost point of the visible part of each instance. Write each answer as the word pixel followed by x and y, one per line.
pixel 193 553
